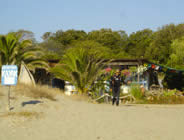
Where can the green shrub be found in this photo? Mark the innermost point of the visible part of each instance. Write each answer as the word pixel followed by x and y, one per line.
pixel 169 92
pixel 136 92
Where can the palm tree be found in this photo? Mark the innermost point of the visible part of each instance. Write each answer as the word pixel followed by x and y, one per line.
pixel 80 67
pixel 13 50
pixel 7 48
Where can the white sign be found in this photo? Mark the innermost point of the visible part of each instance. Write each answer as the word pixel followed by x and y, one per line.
pixel 9 75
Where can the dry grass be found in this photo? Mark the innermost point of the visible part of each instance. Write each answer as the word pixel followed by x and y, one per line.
pixel 37 92
pixel 1 95
pixel 166 100
pixel 1 92
pixel 24 114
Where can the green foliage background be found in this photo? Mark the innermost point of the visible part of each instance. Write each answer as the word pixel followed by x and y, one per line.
pixel 163 46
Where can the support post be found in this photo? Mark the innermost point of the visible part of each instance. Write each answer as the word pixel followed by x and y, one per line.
pixel 9 108
pixel 138 77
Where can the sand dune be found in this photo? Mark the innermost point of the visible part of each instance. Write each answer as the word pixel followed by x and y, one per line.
pixel 68 119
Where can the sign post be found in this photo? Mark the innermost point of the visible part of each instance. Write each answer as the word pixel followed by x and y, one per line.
pixel 9 76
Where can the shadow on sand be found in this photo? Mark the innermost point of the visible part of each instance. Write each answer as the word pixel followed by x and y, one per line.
pixel 32 102
pixel 128 105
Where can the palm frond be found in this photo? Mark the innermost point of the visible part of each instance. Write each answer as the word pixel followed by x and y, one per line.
pixel 79 67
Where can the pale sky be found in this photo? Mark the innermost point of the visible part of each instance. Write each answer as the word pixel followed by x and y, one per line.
pixel 40 16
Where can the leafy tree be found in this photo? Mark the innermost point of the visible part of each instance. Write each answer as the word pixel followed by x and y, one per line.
pixel 55 44
pixel 67 37
pixel 111 39
pixel 160 47
pixel 46 36
pixel 25 35
pixel 52 49
pixel 120 55
pixel 138 42
pixel 94 48
pixel 177 54
pixel 115 41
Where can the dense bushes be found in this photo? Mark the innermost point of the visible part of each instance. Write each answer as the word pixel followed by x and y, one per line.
pixel 174 80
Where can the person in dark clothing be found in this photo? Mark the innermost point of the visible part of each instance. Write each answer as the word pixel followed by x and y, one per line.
pixel 115 87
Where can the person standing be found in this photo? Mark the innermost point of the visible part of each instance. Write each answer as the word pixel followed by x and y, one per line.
pixel 115 86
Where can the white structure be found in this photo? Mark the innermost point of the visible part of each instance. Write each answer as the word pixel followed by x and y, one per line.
pixel 69 88
pixel 25 76
pixel 125 89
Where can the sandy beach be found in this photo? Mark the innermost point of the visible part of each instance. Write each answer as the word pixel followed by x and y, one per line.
pixel 69 119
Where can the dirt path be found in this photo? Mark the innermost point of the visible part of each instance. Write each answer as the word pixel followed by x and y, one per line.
pixel 67 119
